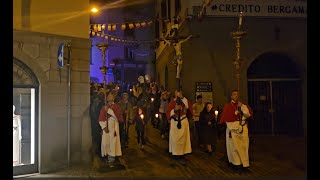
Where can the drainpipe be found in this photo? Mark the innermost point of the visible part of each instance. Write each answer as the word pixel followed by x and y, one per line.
pixel 69 99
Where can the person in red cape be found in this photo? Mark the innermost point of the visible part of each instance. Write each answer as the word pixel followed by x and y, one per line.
pixel 235 114
pixel 109 118
pixel 179 133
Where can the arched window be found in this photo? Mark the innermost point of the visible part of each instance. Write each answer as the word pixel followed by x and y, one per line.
pixel 23 75
pixel 25 121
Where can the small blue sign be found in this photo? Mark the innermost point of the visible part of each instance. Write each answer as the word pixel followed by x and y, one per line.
pixel 60 55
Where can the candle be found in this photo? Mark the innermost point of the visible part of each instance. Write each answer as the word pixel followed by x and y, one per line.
pixel 157 115
pixel 141 116
pixel 216 112
pixel 130 90
pixel 152 99
pixel 240 19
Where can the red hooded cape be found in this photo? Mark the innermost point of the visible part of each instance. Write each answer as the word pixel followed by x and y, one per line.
pixel 172 105
pixel 116 109
pixel 228 115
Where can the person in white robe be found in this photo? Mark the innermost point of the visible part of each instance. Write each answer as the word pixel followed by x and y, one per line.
pixel 16 138
pixel 179 139
pixel 109 123
pixel 179 134
pixel 234 114
pixel 238 144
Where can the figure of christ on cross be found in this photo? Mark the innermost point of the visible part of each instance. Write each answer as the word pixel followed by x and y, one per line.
pixel 205 4
pixel 177 47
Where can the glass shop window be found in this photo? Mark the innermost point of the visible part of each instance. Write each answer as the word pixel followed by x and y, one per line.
pixel 23 126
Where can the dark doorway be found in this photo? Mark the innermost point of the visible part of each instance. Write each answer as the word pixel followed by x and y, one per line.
pixel 274 93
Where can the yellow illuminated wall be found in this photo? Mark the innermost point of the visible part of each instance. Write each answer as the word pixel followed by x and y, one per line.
pixel 17 14
pixel 60 17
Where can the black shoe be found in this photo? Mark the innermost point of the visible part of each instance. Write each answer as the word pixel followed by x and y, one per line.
pixel 236 168
pixel 224 158
pixel 245 170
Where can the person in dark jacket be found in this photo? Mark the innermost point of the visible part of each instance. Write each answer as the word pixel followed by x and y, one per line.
pixel 208 128
pixel 140 127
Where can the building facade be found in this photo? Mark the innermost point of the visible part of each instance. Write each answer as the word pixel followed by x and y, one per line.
pixel 273 74
pixel 55 124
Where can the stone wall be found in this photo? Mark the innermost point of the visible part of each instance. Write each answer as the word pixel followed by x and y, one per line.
pixel 39 52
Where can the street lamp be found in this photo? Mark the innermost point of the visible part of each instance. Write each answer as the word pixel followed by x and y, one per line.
pixel 94 10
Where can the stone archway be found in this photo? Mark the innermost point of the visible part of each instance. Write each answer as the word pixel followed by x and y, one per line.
pixel 274 92
pixel 26 101
pixel 23 75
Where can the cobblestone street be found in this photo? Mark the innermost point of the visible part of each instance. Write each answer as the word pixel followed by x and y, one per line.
pixel 270 157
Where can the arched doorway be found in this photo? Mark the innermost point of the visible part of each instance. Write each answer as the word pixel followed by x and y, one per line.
pixel 274 92
pixel 25 121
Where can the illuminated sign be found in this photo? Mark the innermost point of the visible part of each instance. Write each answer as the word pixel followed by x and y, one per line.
pixel 276 8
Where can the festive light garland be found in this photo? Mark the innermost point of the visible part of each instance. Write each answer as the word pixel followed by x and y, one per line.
pixel 98 30
pixel 116 39
pixel 131 25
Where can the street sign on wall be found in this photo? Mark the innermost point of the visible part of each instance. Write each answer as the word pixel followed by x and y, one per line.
pixel 60 55
pixel 204 89
pixel 60 58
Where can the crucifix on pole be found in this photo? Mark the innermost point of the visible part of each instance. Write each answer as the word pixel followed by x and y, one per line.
pixel 178 56
pixel 177 41
pixel 237 62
